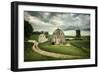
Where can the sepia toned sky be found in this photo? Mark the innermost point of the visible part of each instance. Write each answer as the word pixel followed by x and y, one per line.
pixel 50 21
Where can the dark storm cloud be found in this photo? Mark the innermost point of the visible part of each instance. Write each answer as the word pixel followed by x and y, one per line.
pixel 65 21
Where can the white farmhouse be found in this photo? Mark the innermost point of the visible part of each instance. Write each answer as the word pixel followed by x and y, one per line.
pixel 42 38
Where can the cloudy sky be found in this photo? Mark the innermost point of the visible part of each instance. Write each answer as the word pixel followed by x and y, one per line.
pixel 50 21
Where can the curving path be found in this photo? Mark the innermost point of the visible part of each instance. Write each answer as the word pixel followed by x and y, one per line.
pixel 49 54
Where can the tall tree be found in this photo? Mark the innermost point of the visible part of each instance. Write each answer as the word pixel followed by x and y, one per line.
pixel 28 30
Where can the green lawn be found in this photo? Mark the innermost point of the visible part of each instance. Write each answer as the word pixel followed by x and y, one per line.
pixel 68 50
pixel 34 37
pixel 30 55
pixel 77 48
pixel 83 44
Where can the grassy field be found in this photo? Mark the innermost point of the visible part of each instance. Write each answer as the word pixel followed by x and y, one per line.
pixel 30 55
pixel 77 48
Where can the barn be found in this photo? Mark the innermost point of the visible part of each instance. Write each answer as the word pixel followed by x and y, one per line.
pixel 58 37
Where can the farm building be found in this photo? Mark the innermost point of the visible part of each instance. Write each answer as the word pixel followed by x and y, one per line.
pixel 58 37
pixel 42 38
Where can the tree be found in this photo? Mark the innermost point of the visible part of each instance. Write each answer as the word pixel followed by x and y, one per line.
pixel 46 34
pixel 28 30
